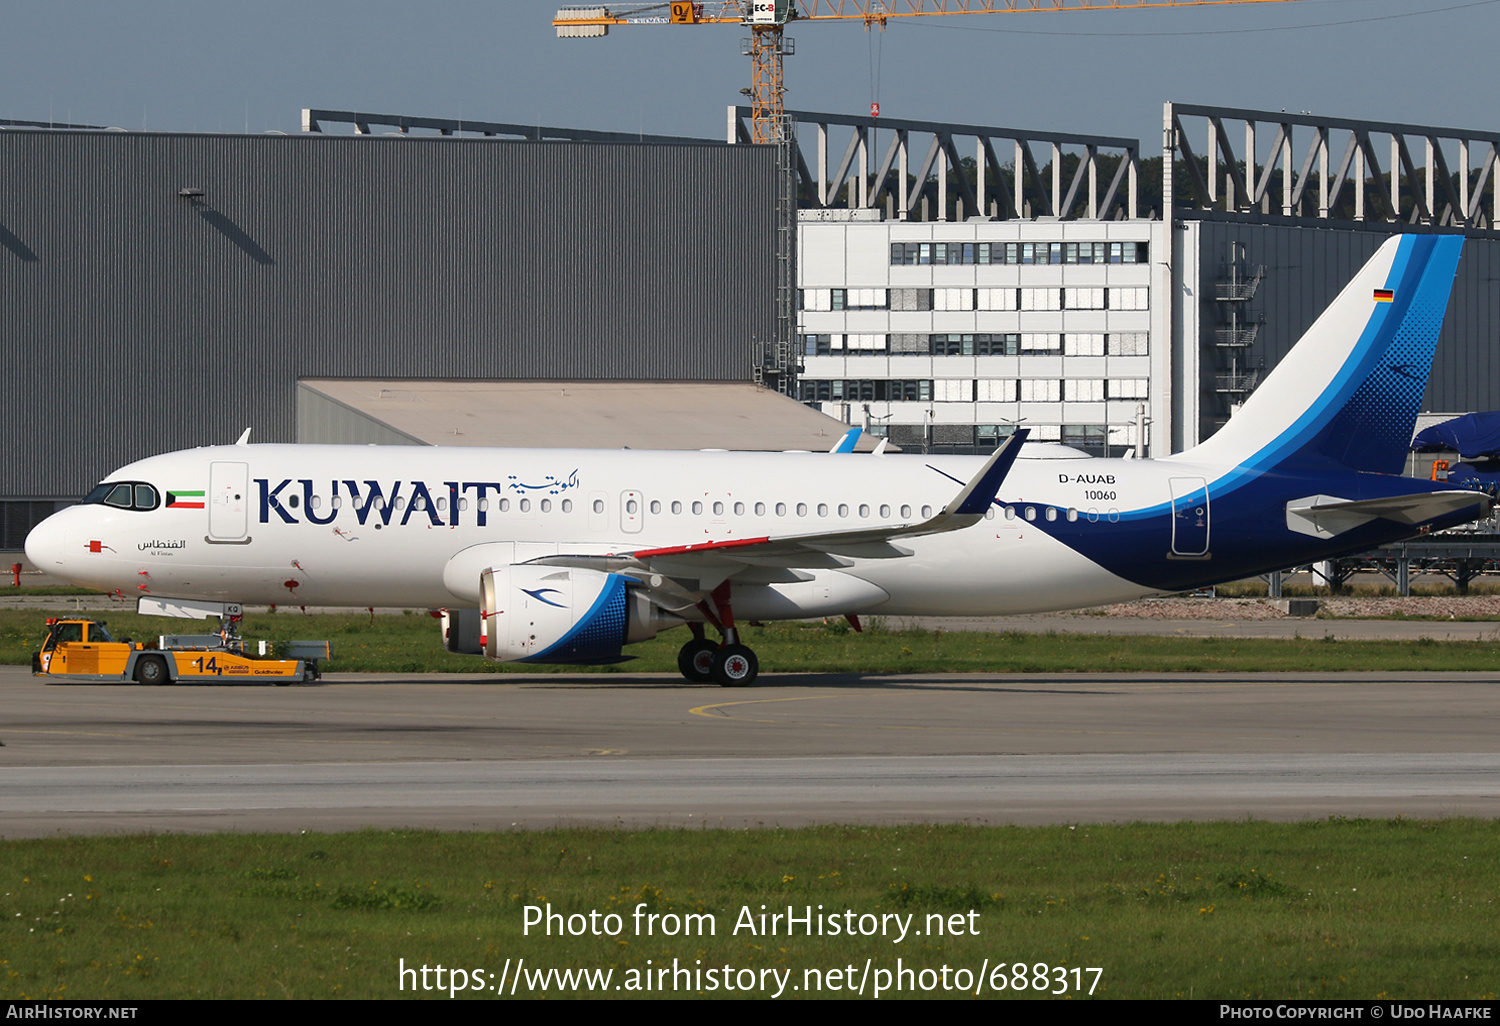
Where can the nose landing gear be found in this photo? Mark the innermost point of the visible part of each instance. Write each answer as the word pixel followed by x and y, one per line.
pixel 729 664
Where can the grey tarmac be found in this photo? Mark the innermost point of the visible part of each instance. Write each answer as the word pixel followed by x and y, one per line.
pixel 488 752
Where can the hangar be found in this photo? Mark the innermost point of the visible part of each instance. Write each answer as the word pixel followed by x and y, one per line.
pixel 168 290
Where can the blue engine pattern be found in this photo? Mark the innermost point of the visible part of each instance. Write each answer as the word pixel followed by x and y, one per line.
pixel 598 635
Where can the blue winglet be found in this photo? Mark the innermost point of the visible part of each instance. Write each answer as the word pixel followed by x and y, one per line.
pixel 848 442
pixel 977 495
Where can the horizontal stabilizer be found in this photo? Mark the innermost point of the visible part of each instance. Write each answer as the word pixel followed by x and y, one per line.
pixel 1325 516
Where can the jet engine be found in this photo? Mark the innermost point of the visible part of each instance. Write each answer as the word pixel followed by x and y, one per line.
pixel 549 614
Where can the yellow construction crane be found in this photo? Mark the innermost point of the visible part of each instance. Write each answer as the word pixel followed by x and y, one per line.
pixel 766 19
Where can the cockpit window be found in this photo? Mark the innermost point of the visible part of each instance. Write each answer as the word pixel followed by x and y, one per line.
pixel 124 495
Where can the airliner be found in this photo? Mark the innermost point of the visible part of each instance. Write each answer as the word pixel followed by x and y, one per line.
pixel 568 556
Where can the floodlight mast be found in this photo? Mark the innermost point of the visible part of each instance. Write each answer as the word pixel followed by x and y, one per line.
pixel 767 43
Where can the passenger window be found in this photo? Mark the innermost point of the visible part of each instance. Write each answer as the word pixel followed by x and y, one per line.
pixel 843 510
pixel 546 505
pixel 718 509
pixel 697 509
pixel 739 509
pixel 885 512
pixel 1072 515
pixel 822 509
pixel 1051 514
pixel 1030 512
pixel 676 507
pixel 781 509
pixel 631 506
pixel 905 512
pixel 926 512
pixel 655 506
pixel 598 505
pixel 504 505
pixel 760 509
pixel 567 506
pixel 802 509
pixel 525 505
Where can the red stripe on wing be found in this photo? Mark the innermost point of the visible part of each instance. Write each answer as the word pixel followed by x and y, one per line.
pixel 677 550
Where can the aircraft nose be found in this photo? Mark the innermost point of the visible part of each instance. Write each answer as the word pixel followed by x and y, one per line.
pixel 47 546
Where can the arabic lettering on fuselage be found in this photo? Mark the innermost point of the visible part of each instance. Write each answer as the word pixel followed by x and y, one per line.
pixel 157 543
pixel 552 486
pixel 440 504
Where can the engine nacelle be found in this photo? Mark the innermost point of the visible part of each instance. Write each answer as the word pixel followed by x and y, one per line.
pixel 550 614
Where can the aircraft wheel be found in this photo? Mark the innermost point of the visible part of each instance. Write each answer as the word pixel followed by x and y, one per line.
pixel 151 670
pixel 695 660
pixel 735 666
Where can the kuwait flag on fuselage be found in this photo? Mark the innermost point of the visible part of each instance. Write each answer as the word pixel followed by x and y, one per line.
pixel 185 500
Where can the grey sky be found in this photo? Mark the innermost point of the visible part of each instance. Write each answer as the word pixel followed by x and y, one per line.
pixel 206 66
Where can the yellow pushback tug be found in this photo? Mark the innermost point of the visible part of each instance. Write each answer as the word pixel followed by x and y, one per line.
pixel 84 650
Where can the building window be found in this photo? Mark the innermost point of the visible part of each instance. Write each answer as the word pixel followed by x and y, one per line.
pixel 1083 390
pixel 1083 299
pixel 996 391
pixel 825 345
pixel 967 344
pixel 1089 437
pixel 1040 344
pixel 1128 388
pixel 1084 344
pixel 864 390
pixel 953 299
pixel 1041 390
pixel 914 254
pixel 1041 299
pixel 911 299
pixel 953 391
pixel 1128 343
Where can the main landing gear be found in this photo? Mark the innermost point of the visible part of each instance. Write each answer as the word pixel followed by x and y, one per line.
pixel 729 664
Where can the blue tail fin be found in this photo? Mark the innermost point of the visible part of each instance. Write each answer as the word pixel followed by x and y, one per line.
pixel 1349 391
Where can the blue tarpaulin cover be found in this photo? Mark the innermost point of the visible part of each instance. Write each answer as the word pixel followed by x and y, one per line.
pixel 1473 436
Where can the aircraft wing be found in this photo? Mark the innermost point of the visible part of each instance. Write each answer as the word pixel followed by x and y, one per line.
pixel 775 558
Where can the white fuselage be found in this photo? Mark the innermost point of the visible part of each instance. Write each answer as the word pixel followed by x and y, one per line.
pixel 257 538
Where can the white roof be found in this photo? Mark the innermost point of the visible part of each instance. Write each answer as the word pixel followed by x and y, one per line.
pixel 587 414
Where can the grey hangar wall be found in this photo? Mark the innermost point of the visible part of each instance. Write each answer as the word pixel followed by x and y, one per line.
pixel 162 291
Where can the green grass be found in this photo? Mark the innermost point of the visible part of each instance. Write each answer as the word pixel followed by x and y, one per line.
pixel 1322 909
pixel 410 644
